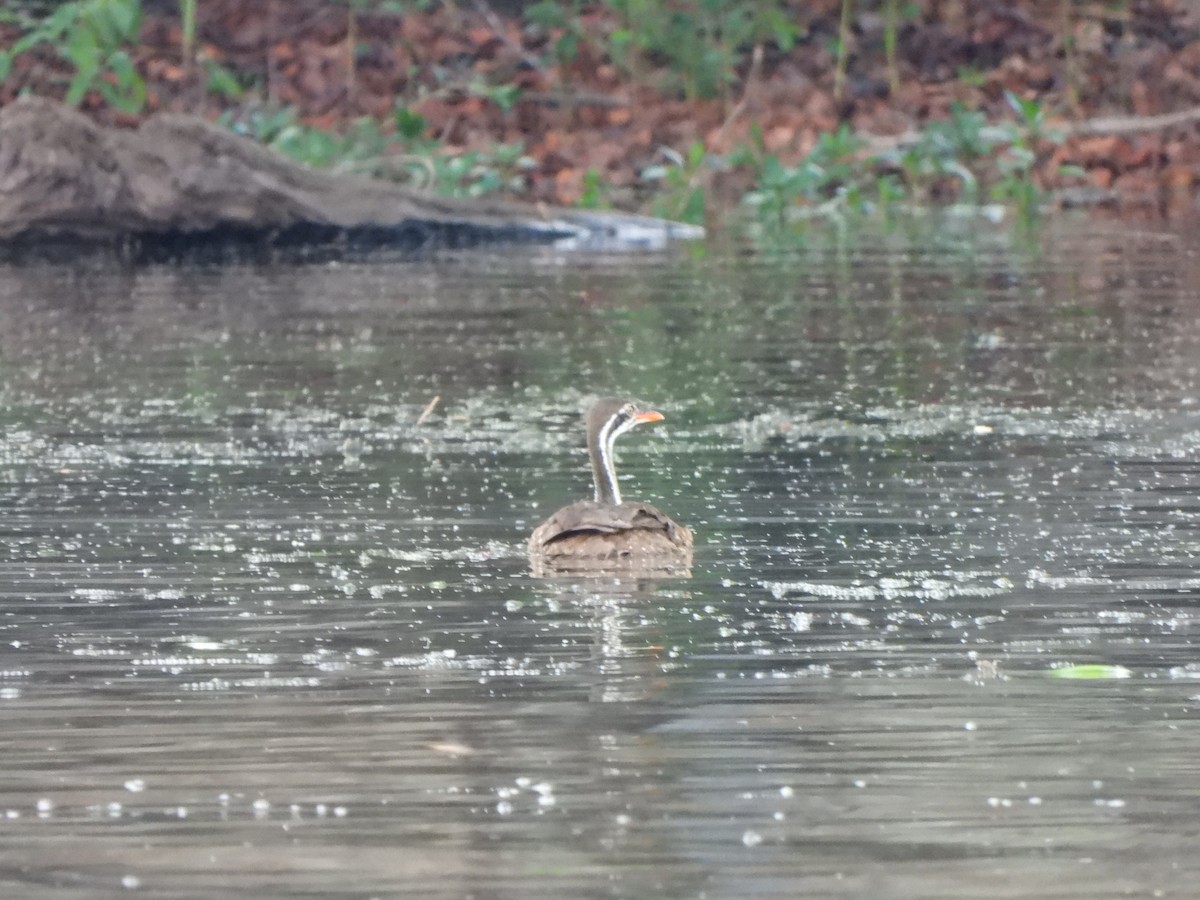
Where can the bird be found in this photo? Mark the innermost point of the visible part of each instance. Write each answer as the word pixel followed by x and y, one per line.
pixel 607 531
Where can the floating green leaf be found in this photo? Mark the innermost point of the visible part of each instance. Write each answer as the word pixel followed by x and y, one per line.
pixel 1091 672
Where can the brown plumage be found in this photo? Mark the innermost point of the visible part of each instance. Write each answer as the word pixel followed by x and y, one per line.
pixel 606 532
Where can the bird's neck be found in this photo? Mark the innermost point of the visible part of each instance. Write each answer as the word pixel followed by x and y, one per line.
pixel 604 472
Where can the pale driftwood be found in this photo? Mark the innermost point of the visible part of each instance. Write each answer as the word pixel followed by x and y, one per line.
pixel 1132 124
pixel 879 144
pixel 179 177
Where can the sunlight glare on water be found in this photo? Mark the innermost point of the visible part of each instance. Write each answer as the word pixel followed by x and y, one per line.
pixel 267 624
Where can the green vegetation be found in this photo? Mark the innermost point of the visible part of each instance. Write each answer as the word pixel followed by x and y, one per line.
pixel 91 35
pixel 702 42
pixel 402 154
pixel 962 158
pixel 698 45
pixel 679 195
pixel 706 46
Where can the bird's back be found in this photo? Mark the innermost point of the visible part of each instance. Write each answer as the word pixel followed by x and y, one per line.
pixel 592 530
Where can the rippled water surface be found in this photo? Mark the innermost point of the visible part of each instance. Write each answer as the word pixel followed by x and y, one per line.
pixel 268 630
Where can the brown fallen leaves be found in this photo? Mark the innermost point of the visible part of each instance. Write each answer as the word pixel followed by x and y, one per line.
pixel 592 109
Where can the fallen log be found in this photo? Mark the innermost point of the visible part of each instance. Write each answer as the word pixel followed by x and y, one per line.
pixel 179 183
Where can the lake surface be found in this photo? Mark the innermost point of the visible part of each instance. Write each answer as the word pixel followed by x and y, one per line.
pixel 265 633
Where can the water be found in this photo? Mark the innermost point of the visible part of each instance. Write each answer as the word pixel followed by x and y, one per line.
pixel 261 633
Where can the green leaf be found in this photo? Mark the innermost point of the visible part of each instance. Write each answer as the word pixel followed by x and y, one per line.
pixel 61 22
pixel 30 40
pixel 566 48
pixel 129 93
pixel 620 40
pixel 96 22
pixel 84 54
pixel 505 96
pixel 82 49
pixel 222 81
pixel 409 125
pixel 546 14
pixel 1030 111
pixel 593 196
pixel 694 209
pixel 1094 672
pixel 5 65
pixel 127 17
pixel 115 22
pixel 80 82
pixel 122 66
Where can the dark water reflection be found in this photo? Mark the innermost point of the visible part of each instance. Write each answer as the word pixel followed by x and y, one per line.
pixel 261 633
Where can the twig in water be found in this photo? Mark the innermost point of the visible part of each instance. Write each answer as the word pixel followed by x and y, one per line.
pixel 428 410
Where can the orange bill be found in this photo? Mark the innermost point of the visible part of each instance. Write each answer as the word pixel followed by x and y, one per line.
pixel 649 415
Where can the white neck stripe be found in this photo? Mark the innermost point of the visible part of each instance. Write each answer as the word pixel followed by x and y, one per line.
pixel 605 440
